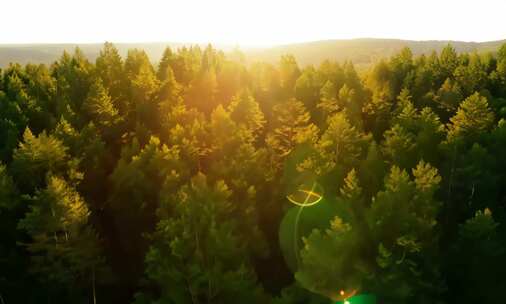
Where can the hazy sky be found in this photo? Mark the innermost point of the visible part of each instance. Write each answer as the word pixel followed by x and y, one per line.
pixel 249 22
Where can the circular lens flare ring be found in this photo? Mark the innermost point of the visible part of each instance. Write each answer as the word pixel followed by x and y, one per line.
pixel 305 197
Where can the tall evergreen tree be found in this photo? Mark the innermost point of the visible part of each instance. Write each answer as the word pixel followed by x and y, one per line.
pixel 99 106
pixel 65 248
pixel 198 256
pixel 473 117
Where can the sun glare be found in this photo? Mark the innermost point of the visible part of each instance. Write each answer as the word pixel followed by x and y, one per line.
pixel 250 23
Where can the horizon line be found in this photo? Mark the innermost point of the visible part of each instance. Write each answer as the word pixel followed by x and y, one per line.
pixel 237 44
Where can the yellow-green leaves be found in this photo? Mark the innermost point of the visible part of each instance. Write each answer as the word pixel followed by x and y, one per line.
pixel 473 117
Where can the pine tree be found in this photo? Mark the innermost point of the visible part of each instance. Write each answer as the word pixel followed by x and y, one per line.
pixel 38 156
pixel 170 92
pixel 231 79
pixel 328 103
pixel 401 66
pixel 378 108
pixel 448 61
pixel 109 67
pixel 198 255
pixel 291 128
pixel 13 121
pixel 137 61
pixel 448 98
pixel 472 76
pixel 166 63
pixel 99 106
pixel 347 100
pixel 405 236
pixel 289 72
pixel 134 196
pixel 333 263
pixel 330 261
pixel 341 145
pixel 65 249
pixel 372 170
pixel 246 112
pixel 73 78
pixel 307 88
pixel 145 87
pixel 202 91
pixel 473 117
pixel 223 131
pixel 475 258
pixel 399 146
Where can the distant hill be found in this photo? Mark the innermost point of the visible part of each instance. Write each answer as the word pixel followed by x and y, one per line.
pixel 48 53
pixel 361 51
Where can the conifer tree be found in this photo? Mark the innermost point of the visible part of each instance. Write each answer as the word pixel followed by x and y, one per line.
pixel 398 147
pixel 328 95
pixel 476 256
pixel 292 127
pixel 246 112
pixel 166 64
pixel 473 117
pixel 109 67
pixel 289 72
pixel 198 255
pixel 99 106
pixel 341 145
pixel 38 156
pixel 307 88
pixel 65 248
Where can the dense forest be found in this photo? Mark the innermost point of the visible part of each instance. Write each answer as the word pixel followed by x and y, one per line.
pixel 124 181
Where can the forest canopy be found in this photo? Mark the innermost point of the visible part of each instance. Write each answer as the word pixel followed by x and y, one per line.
pixel 124 181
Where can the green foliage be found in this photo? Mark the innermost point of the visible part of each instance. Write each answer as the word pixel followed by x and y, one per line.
pixel 402 220
pixel 151 166
pixel 342 144
pixel 169 95
pixel 289 72
pixel 398 146
pixel 99 106
pixel 477 253
pixel 307 88
pixel 328 103
pixel 73 76
pixel 334 248
pixel 38 156
pixel 292 127
pixel 398 225
pixel 65 249
pixel 473 117
pixel 109 67
pixel 292 229
pixel 197 255
pixel 246 112
pixel 183 171
pixel 202 91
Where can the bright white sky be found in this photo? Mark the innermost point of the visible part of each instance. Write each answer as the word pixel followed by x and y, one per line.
pixel 248 22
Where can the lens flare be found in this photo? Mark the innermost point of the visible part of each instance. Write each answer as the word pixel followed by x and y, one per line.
pixel 306 196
